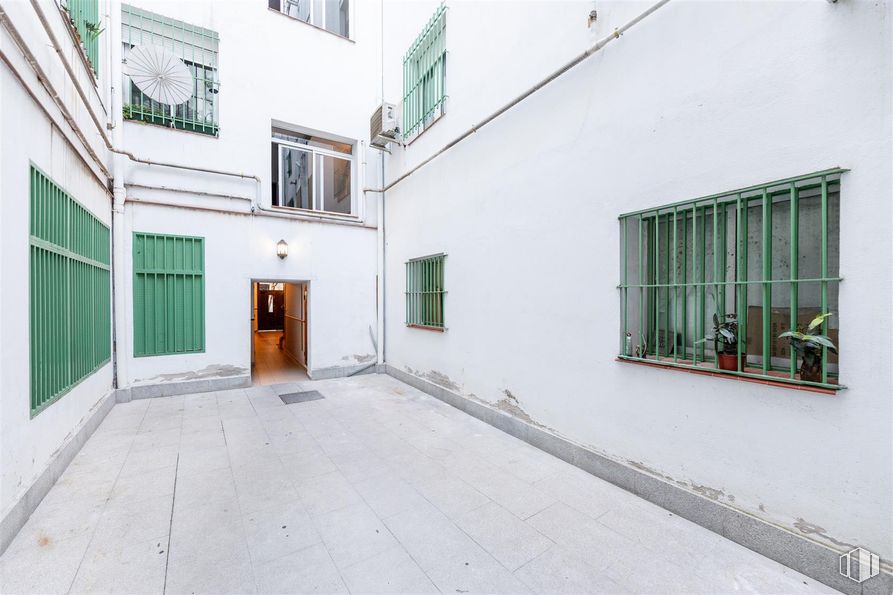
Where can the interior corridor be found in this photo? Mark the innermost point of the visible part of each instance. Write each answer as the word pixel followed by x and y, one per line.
pixel 272 365
pixel 279 332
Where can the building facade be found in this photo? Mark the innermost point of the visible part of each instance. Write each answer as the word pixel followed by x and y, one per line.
pixel 575 190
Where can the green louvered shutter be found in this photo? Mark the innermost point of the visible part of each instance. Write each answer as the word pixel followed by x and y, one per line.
pixel 168 294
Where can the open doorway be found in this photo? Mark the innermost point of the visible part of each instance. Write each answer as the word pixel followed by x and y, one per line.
pixel 279 337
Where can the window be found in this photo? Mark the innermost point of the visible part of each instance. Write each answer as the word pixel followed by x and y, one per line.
pixel 424 292
pixel 197 47
pixel 424 77
pixel 765 258
pixel 311 172
pixel 87 24
pixel 70 292
pixel 331 15
pixel 168 294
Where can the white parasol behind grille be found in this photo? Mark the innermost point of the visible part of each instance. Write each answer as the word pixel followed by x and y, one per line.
pixel 160 74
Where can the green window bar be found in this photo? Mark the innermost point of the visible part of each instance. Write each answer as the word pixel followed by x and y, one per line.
pixel 765 257
pixel 168 294
pixel 424 76
pixel 87 24
pixel 425 292
pixel 70 292
pixel 197 47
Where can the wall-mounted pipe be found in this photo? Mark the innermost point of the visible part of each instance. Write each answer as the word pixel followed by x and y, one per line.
pixel 599 45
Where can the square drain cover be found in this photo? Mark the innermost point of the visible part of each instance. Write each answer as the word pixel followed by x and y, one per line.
pixel 303 397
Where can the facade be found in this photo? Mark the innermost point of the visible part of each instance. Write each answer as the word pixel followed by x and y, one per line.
pixel 559 262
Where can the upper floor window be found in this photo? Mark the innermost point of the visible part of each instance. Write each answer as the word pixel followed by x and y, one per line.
pixel 721 282
pixel 331 15
pixel 424 77
pixel 86 23
pixel 312 172
pixel 197 47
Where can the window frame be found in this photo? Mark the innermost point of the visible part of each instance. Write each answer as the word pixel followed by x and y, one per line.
pixel 320 27
pixel 202 274
pixel 425 59
pixel 314 151
pixel 422 270
pixel 763 196
pixel 59 239
pixel 206 60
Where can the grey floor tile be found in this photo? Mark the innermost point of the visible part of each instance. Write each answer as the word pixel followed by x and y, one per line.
pixel 122 567
pixel 326 493
pixel 559 571
pixel 388 495
pixel 46 565
pixel 450 494
pixel 216 572
pixel 392 571
pixel 429 536
pixel 310 570
pixel 505 537
pixel 353 534
pixel 277 531
pixel 474 571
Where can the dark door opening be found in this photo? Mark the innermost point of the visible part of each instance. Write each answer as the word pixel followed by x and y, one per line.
pixel 279 317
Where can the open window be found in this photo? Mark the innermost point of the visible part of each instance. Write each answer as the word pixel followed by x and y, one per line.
pixel 312 172
pixel 331 15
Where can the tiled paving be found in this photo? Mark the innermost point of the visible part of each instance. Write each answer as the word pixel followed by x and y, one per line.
pixel 377 488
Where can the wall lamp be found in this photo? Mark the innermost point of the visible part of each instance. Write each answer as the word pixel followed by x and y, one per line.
pixel 281 249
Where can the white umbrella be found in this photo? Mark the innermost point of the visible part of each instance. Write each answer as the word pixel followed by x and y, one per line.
pixel 159 74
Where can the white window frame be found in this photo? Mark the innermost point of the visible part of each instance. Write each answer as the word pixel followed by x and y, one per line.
pixel 322 24
pixel 317 196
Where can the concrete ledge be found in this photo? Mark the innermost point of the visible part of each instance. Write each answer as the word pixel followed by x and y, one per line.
pixel 169 389
pixel 342 371
pixel 18 515
pixel 777 543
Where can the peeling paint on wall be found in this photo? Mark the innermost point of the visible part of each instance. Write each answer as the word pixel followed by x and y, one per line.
pixel 212 371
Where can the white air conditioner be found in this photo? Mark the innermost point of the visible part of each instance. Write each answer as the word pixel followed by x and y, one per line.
pixel 383 126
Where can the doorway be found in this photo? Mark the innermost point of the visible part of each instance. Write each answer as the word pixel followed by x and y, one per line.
pixel 279 337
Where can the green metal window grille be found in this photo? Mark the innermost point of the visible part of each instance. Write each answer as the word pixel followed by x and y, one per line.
pixel 70 292
pixel 168 294
pixel 425 292
pixel 197 47
pixel 424 76
pixel 85 19
pixel 768 255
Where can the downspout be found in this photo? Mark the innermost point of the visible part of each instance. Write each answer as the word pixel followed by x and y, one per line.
pixel 382 311
pixel 119 303
pixel 556 74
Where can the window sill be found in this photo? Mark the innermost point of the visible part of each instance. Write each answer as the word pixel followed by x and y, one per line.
pixel 317 27
pixel 708 369
pixel 316 214
pixel 436 329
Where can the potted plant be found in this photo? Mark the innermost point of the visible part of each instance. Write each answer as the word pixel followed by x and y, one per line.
pixel 725 342
pixel 809 347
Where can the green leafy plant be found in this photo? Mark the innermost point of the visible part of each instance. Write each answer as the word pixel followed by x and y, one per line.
pixel 725 333
pixel 809 347
pixel 94 29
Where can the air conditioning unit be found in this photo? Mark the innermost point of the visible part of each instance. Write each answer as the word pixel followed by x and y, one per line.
pixel 383 126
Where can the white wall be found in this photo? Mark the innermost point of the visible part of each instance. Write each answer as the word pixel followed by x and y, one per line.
pixel 271 67
pixel 26 136
pixel 699 98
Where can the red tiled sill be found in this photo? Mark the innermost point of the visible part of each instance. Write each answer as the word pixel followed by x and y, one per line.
pixel 436 329
pixel 709 371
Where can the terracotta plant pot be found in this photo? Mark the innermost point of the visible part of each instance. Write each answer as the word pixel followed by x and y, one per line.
pixel 811 373
pixel 727 361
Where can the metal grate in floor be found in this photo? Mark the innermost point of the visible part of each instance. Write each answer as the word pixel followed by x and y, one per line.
pixel 301 397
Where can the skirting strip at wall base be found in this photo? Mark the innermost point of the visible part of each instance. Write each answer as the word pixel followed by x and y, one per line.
pixel 803 555
pixel 18 515
pixel 342 371
pixel 170 389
